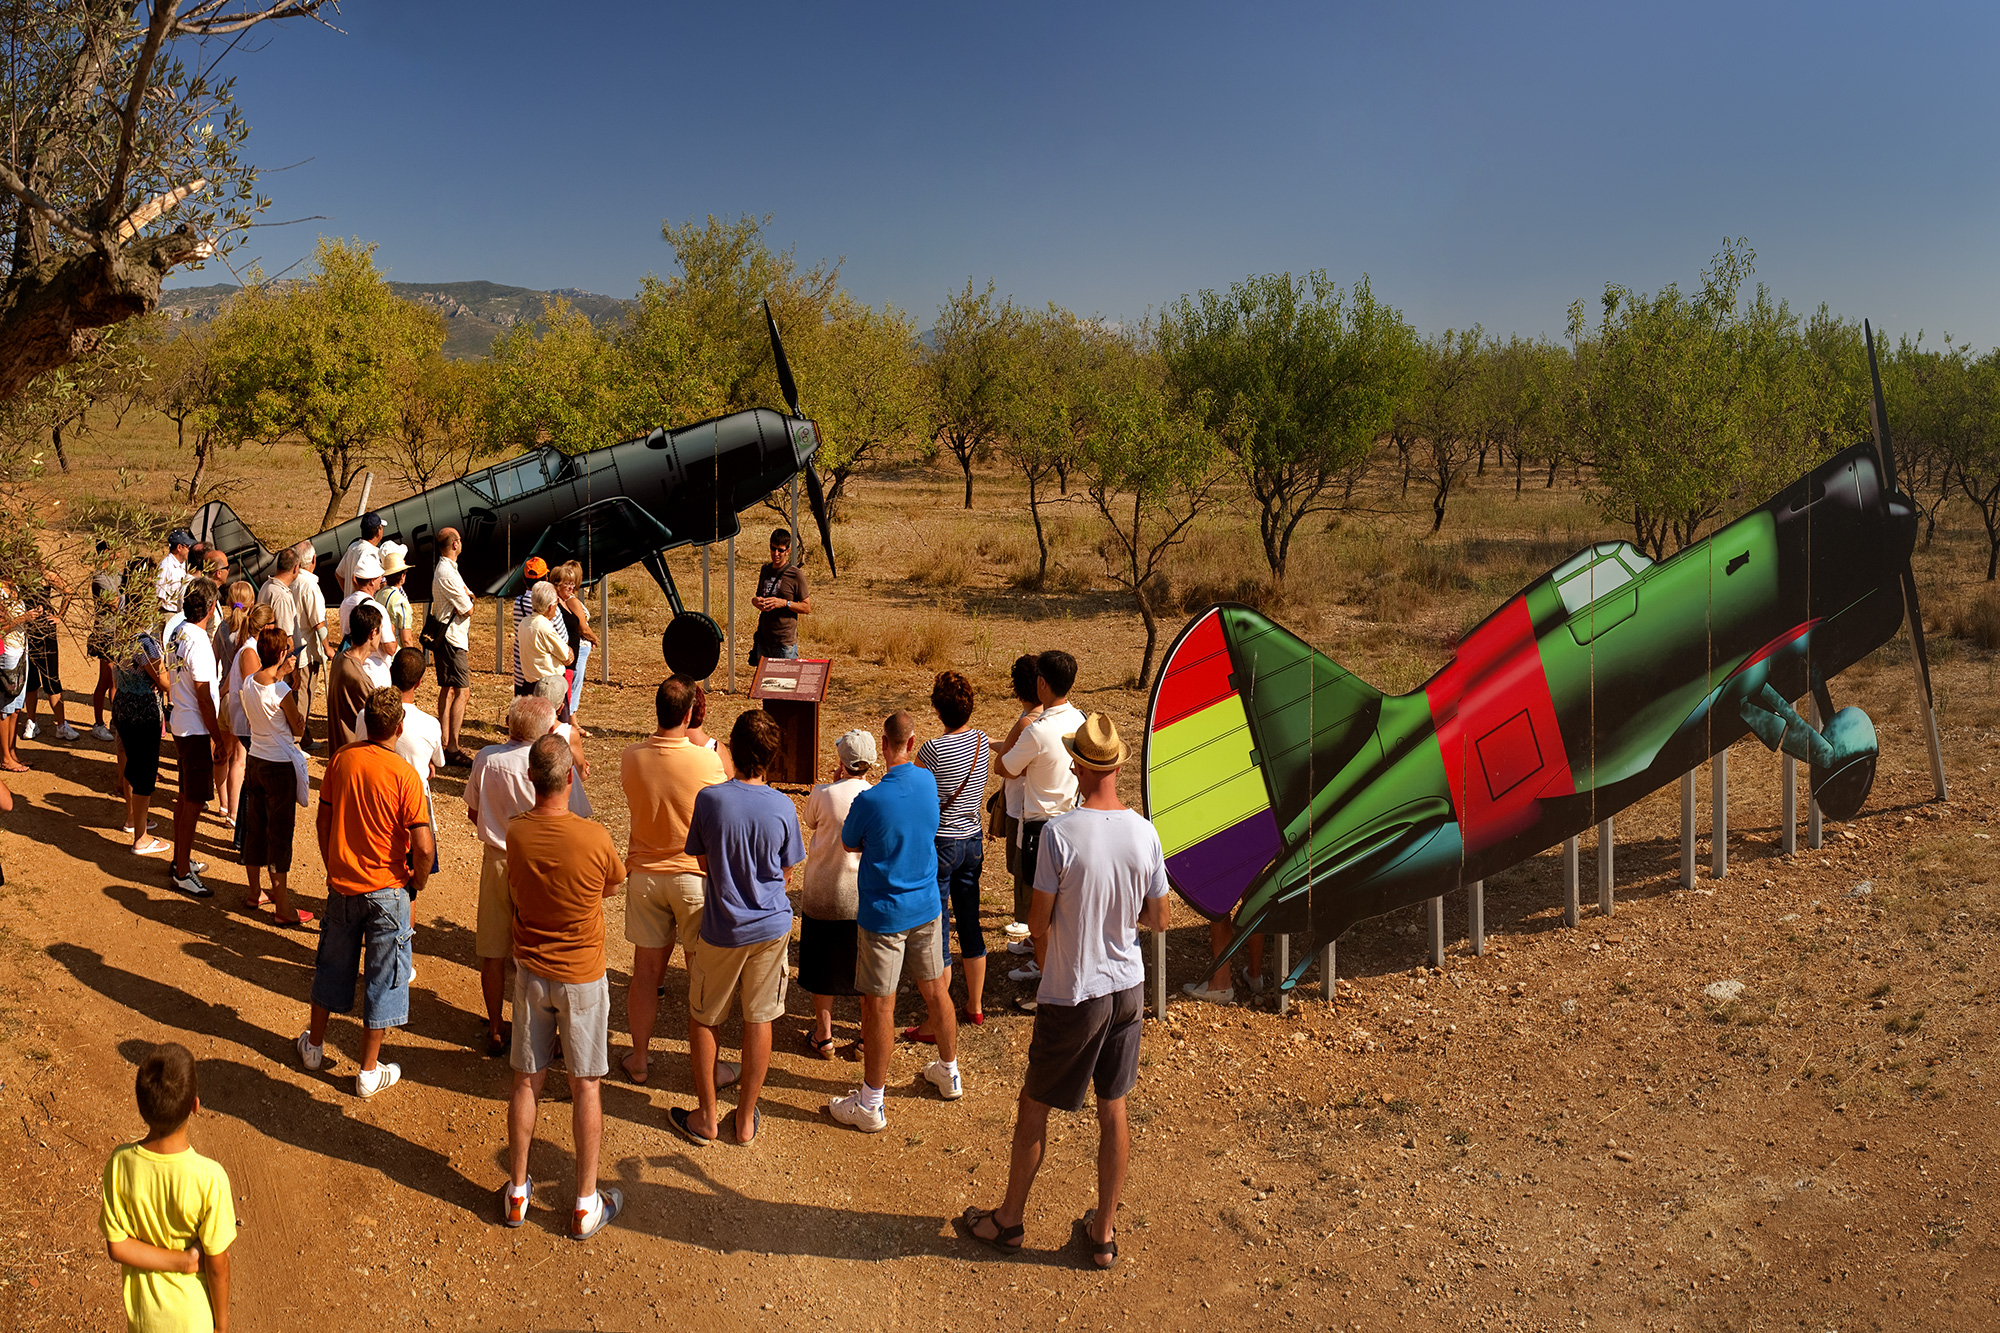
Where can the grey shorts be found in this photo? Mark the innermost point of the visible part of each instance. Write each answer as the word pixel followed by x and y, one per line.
pixel 880 960
pixel 1077 1045
pixel 580 1014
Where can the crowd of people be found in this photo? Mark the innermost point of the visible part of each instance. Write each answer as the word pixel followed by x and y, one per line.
pixel 888 860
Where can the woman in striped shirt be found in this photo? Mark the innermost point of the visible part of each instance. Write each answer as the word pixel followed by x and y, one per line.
pixel 959 760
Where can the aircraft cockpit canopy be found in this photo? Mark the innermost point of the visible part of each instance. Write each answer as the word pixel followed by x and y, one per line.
pixel 518 476
pixel 1596 572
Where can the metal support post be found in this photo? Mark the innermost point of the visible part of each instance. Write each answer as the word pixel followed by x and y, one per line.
pixel 730 575
pixel 1329 984
pixel 798 538
pixel 604 629
pixel 1813 834
pixel 1687 829
pixel 1159 974
pixel 704 580
pixel 367 488
pixel 1434 911
pixel 1475 904
pixel 1788 805
pixel 1569 878
pixel 1718 817
pixel 1284 970
pixel 499 635
pixel 1606 843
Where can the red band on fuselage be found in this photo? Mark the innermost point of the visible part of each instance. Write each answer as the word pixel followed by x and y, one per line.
pixel 1496 729
pixel 1784 640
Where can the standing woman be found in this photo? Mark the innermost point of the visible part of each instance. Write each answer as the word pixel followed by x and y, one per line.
pixel 232 634
pixel 576 623
pixel 830 891
pixel 13 672
pixel 270 784
pixel 958 759
pixel 140 682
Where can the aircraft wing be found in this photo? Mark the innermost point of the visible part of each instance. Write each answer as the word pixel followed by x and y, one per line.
pixel 605 536
pixel 1245 723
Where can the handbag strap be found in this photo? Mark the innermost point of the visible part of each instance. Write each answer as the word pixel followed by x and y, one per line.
pixel 976 764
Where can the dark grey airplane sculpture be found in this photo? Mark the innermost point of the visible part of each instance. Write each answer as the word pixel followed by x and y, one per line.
pixel 625 504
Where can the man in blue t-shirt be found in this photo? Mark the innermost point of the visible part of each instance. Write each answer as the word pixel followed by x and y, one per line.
pixel 745 836
pixel 893 825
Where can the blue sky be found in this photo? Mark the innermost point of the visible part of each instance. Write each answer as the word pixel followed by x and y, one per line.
pixel 1482 163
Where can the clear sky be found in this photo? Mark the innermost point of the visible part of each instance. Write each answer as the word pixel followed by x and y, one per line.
pixel 1483 163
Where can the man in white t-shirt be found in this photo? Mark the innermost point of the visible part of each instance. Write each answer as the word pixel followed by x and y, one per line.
pixel 1034 753
pixel 369 543
pixel 367 580
pixel 173 579
pixel 310 603
pixel 191 681
pixel 1100 877
pixel 451 605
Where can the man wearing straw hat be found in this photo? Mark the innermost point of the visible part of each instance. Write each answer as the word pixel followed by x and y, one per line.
pixel 1100 876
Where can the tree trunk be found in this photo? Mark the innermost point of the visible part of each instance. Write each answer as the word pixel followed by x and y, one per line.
pixel 1041 539
pixel 1517 472
pixel 50 313
pixel 61 456
pixel 201 451
pixel 1152 624
pixel 965 461
pixel 1437 509
pixel 1554 463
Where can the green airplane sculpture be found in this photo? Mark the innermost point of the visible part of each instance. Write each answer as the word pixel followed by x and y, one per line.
pixel 1288 791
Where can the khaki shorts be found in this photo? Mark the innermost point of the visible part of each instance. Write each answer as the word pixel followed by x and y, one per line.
pixel 579 1013
pixel 880 960
pixel 716 974
pixel 493 937
pixel 661 906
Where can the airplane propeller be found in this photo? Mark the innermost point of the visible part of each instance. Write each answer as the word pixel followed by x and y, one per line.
pixel 789 387
pixel 1911 606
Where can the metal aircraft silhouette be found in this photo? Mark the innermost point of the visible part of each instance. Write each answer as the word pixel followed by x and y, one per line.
pixel 1290 792
pixel 610 508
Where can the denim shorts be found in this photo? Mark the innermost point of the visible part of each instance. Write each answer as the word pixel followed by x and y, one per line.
pixel 777 652
pixel 370 931
pixel 960 861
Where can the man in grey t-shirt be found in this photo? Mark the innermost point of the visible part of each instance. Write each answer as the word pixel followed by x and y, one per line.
pixel 1100 876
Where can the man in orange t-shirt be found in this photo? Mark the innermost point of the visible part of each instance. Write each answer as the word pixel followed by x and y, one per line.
pixel 375 837
pixel 561 867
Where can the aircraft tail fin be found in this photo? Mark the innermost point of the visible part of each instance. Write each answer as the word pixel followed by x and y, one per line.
pixel 216 524
pixel 1245 721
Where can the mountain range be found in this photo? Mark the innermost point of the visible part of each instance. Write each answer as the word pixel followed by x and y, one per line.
pixel 475 313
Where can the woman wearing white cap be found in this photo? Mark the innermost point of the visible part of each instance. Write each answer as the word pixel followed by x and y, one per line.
pixel 829 896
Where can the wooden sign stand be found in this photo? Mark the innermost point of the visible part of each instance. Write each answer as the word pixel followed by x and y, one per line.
pixel 791 691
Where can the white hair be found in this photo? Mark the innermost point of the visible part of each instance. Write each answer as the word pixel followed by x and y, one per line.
pixel 530 717
pixel 543 597
pixel 306 554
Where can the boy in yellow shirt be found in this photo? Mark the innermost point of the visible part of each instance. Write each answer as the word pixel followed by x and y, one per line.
pixel 168 1214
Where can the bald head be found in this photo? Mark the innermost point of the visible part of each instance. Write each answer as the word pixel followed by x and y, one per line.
pixel 449 542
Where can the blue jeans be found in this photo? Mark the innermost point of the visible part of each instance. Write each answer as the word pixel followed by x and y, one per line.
pixel 775 651
pixel 959 862
pixel 370 931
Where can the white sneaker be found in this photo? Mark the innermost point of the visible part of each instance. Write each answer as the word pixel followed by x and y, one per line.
pixel 848 1110
pixel 65 732
pixel 368 1082
pixel 103 733
pixel 1255 983
pixel 311 1056
pixel 1031 972
pixel 1200 991
pixel 1021 948
pixel 944 1080
pixel 29 730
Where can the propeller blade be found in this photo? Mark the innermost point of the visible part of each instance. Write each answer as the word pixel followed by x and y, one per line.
pixel 786 385
pixel 817 496
pixel 1881 411
pixel 1916 614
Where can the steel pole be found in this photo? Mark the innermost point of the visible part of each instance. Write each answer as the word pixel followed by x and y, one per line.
pixel 1569 879
pixel 604 629
pixel 1813 832
pixel 1718 817
pixel 1475 907
pixel 1329 982
pixel 730 575
pixel 1159 951
pixel 1788 804
pixel 499 634
pixel 1687 829
pixel 1434 914
pixel 1606 844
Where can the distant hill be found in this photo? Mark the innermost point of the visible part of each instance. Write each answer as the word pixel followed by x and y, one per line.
pixel 475 313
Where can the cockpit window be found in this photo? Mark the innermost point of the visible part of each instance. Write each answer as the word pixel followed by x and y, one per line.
pixel 515 477
pixel 1597 572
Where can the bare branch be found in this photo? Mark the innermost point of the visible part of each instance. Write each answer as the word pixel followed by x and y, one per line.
pixel 205 20
pixel 17 187
pixel 150 211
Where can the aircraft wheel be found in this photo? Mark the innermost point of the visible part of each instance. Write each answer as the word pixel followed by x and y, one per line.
pixel 1843 786
pixel 692 645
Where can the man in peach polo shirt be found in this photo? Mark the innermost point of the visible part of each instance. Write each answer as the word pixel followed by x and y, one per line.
pixel 665 888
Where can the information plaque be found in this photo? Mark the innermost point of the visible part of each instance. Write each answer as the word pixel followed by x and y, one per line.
pixel 791 691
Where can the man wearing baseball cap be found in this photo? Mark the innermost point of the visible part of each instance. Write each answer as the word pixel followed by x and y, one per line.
pixel 1100 876
pixel 173 571
pixel 536 570
pixel 364 579
pixel 370 539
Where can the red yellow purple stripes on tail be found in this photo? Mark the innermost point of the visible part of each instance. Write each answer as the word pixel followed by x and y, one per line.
pixel 1204 789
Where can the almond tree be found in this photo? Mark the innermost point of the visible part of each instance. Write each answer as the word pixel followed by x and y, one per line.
pixel 973 375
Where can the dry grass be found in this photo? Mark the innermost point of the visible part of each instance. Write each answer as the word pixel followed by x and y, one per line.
pixel 1979 621
pixel 927 639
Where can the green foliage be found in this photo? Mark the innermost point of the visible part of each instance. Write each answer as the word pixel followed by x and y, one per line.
pixel 973 375
pixel 556 381
pixel 727 272
pixel 1443 425
pixel 1688 404
pixel 320 361
pixel 860 382
pixel 1063 364
pixel 1299 380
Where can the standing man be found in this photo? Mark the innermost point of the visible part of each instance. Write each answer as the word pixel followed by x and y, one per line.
pixel 367 580
pixel 191 687
pixel 309 602
pixel 369 541
pixel 562 868
pixel 1100 877
pixel 661 775
pixel 376 840
pixel 277 593
pixel 172 582
pixel 497 789
pixel 351 679
pixel 1034 753
pixel 780 601
pixel 215 564
pixel 451 606
pixel 894 826
pixel 536 571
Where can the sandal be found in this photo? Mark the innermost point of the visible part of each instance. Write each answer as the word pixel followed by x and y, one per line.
pixel 820 1046
pixel 1004 1240
pixel 678 1117
pixel 300 922
pixel 1103 1253
pixel 756 1124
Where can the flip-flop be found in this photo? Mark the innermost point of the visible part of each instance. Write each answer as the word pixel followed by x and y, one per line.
pixel 1005 1240
pixel 152 847
pixel 305 920
pixel 756 1124
pixel 678 1117
pixel 637 1080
